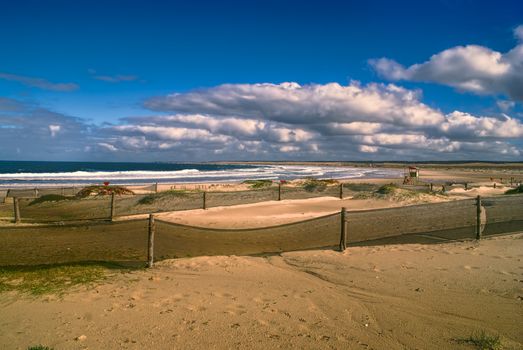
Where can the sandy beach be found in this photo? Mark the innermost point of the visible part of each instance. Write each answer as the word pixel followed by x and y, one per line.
pixel 382 297
pixel 371 296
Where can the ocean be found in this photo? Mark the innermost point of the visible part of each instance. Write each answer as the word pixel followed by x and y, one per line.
pixel 15 174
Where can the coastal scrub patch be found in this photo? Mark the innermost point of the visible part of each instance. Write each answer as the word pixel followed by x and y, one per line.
pixel 360 187
pixel 152 198
pixel 102 190
pixel 387 189
pixel 314 185
pixel 39 347
pixel 483 341
pixel 52 279
pixel 50 198
pixel 516 190
pixel 258 184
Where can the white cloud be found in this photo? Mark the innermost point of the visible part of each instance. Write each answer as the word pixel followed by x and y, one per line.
pixel 54 129
pixel 470 68
pixel 294 104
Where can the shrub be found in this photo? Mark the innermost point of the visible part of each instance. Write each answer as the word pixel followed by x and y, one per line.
pixel 516 190
pixel 483 341
pixel 39 347
pixel 151 198
pixel 257 184
pixel 387 189
pixel 360 187
pixel 102 191
pixel 314 185
pixel 49 198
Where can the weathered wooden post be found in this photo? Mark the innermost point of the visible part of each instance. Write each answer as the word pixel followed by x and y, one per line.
pixel 204 206
pixel 113 209
pixel 443 188
pixel 431 186
pixel 150 242
pixel 466 186
pixel 343 231
pixel 279 191
pixel 494 185
pixel 36 192
pixel 62 191
pixel 478 217
pixel 341 191
pixel 16 208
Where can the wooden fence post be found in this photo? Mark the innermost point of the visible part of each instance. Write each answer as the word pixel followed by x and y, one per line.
pixel 343 231
pixel 204 206
pixel 279 191
pixel 36 192
pixel 466 186
pixel 478 217
pixel 150 242
pixel 16 208
pixel 431 187
pixel 341 191
pixel 113 209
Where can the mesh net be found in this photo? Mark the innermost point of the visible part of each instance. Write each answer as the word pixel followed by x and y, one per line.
pixel 303 193
pixel 111 242
pixel 503 214
pixel 173 240
pixel 452 219
pixel 217 199
pixel 158 202
pixel 98 207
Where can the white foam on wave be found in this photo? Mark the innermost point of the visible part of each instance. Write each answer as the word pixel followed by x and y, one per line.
pixel 272 172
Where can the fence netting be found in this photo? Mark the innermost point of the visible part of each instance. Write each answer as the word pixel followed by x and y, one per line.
pixel 91 208
pixel 456 219
pixel 110 242
pixel 174 240
pixel 157 202
pixel 503 214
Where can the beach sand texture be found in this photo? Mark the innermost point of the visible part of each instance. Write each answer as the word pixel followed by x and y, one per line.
pixel 382 297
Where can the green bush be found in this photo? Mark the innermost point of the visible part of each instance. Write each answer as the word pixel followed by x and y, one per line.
pixel 387 189
pixel 314 185
pixel 39 347
pixel 50 198
pixel 151 198
pixel 102 190
pixel 257 184
pixel 483 341
pixel 516 190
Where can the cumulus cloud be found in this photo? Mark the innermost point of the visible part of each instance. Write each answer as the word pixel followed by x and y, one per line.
pixel 269 121
pixel 294 104
pixel 39 82
pixel 471 68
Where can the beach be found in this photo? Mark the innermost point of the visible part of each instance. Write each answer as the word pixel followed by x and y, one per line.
pixel 408 296
pixel 422 293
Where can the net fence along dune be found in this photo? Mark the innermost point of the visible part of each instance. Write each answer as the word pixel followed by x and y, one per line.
pixel 503 214
pixel 127 240
pixel 175 240
pixel 453 220
pixel 91 208
pixel 109 242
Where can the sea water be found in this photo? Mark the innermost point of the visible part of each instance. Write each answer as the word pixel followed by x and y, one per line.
pixel 15 174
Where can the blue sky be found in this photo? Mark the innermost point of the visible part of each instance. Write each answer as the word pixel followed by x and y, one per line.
pixel 105 72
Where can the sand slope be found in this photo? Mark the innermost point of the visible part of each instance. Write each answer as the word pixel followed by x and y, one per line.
pixel 383 297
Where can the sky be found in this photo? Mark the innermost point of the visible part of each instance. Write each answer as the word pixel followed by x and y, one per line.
pixel 261 80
